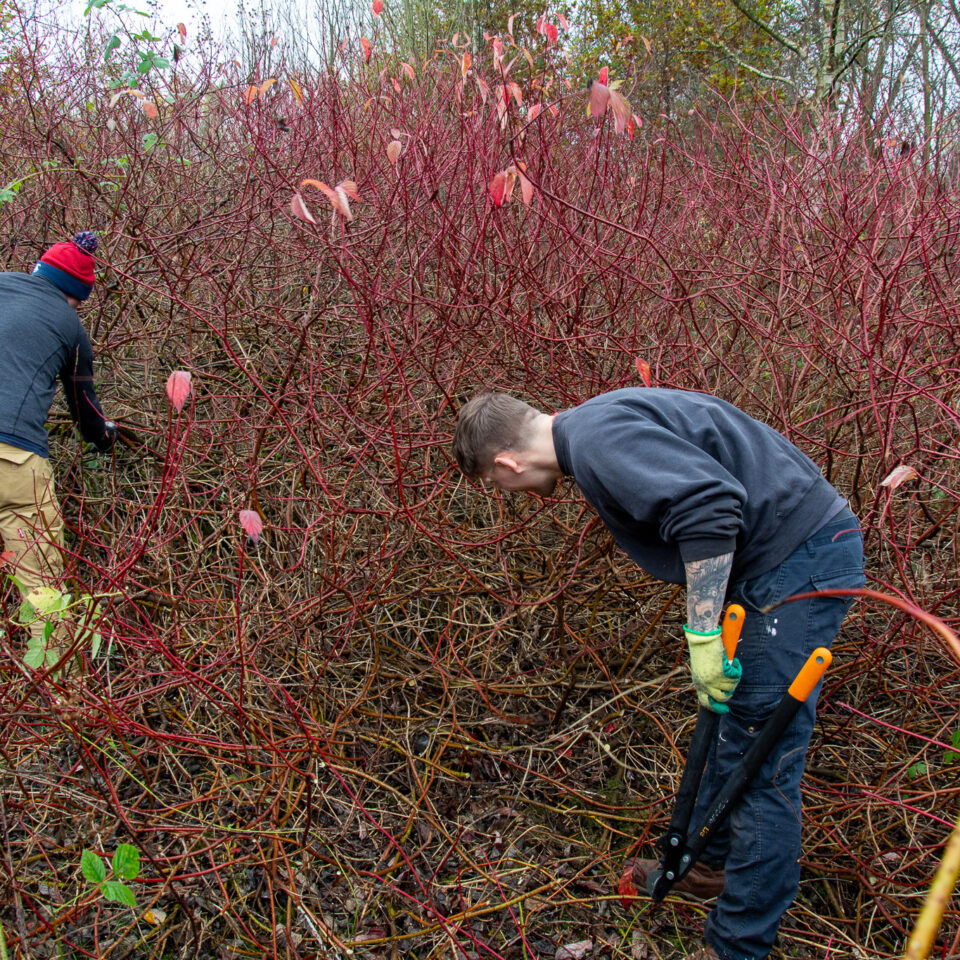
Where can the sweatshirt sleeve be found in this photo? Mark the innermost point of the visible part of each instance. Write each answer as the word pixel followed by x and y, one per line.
pixel 76 375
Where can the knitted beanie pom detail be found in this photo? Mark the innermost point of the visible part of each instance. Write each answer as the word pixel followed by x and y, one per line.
pixel 87 241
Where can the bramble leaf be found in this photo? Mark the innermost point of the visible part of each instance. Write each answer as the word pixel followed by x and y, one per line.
pixel 92 867
pixel 118 892
pixel 126 862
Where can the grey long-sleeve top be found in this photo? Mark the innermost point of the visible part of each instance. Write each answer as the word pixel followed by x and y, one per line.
pixel 41 339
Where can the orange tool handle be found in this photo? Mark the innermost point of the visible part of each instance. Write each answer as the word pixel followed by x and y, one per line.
pixel 809 676
pixel 730 628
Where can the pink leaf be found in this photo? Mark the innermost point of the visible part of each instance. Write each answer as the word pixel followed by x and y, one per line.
pixel 526 190
pixel 899 475
pixel 182 30
pixel 563 21
pixel 252 524
pixel 150 109
pixel 498 186
pixel 394 148
pixel 349 187
pixel 534 111
pixel 599 98
pixel 377 7
pixel 8 556
pixel 621 110
pixel 178 388
pixel 602 77
pixel 550 29
pixel 300 210
pixel 367 49
pixel 408 70
pixel 540 24
pixel 643 368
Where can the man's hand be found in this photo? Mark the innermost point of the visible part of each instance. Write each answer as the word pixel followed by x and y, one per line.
pixel 109 437
pixel 714 676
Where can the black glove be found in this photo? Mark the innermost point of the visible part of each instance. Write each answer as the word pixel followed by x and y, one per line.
pixel 106 442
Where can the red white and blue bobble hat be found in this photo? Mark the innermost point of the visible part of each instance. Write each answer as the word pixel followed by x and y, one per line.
pixel 69 265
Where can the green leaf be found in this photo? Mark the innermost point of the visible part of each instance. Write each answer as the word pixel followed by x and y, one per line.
pixel 48 629
pixel 916 770
pixel 27 612
pixel 112 45
pixel 34 655
pixel 92 867
pixel 3 945
pixel 126 862
pixel 118 892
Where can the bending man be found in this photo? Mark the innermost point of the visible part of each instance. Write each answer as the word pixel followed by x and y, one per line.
pixel 698 493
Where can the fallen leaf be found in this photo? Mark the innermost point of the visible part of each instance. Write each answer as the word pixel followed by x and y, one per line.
pixel 155 916
pixel 899 475
pixel 178 387
pixel 252 524
pixel 574 951
pixel 300 210
pixel 626 889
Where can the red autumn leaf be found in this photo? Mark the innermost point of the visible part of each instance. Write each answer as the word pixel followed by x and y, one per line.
pixel 534 111
pixel 628 892
pixel 250 94
pixel 252 524
pixel 563 21
pixel 550 29
pixel 540 24
pixel 498 186
pixel 602 77
pixel 150 109
pixel 349 187
pixel 377 7
pixel 643 368
pixel 300 210
pixel 182 30
pixel 178 388
pixel 8 556
pixel 367 49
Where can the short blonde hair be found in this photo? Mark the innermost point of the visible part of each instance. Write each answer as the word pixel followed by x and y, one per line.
pixel 488 425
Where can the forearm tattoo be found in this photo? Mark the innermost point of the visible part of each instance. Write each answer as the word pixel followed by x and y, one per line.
pixel 706 586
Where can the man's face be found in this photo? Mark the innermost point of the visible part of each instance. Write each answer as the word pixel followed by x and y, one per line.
pixel 511 475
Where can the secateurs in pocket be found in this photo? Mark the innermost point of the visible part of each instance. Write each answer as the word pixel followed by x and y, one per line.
pixel 681 846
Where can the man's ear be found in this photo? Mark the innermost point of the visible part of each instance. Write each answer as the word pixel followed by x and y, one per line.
pixel 509 461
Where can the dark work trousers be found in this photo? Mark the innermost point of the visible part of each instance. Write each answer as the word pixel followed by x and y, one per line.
pixel 759 847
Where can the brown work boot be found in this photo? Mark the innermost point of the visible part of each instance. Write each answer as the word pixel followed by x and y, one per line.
pixel 701 881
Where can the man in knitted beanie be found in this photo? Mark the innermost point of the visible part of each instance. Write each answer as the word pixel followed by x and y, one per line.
pixel 42 340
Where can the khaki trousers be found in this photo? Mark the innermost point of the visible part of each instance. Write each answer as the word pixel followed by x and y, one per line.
pixel 30 524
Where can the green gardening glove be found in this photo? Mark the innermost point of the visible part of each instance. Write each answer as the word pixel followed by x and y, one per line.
pixel 714 676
